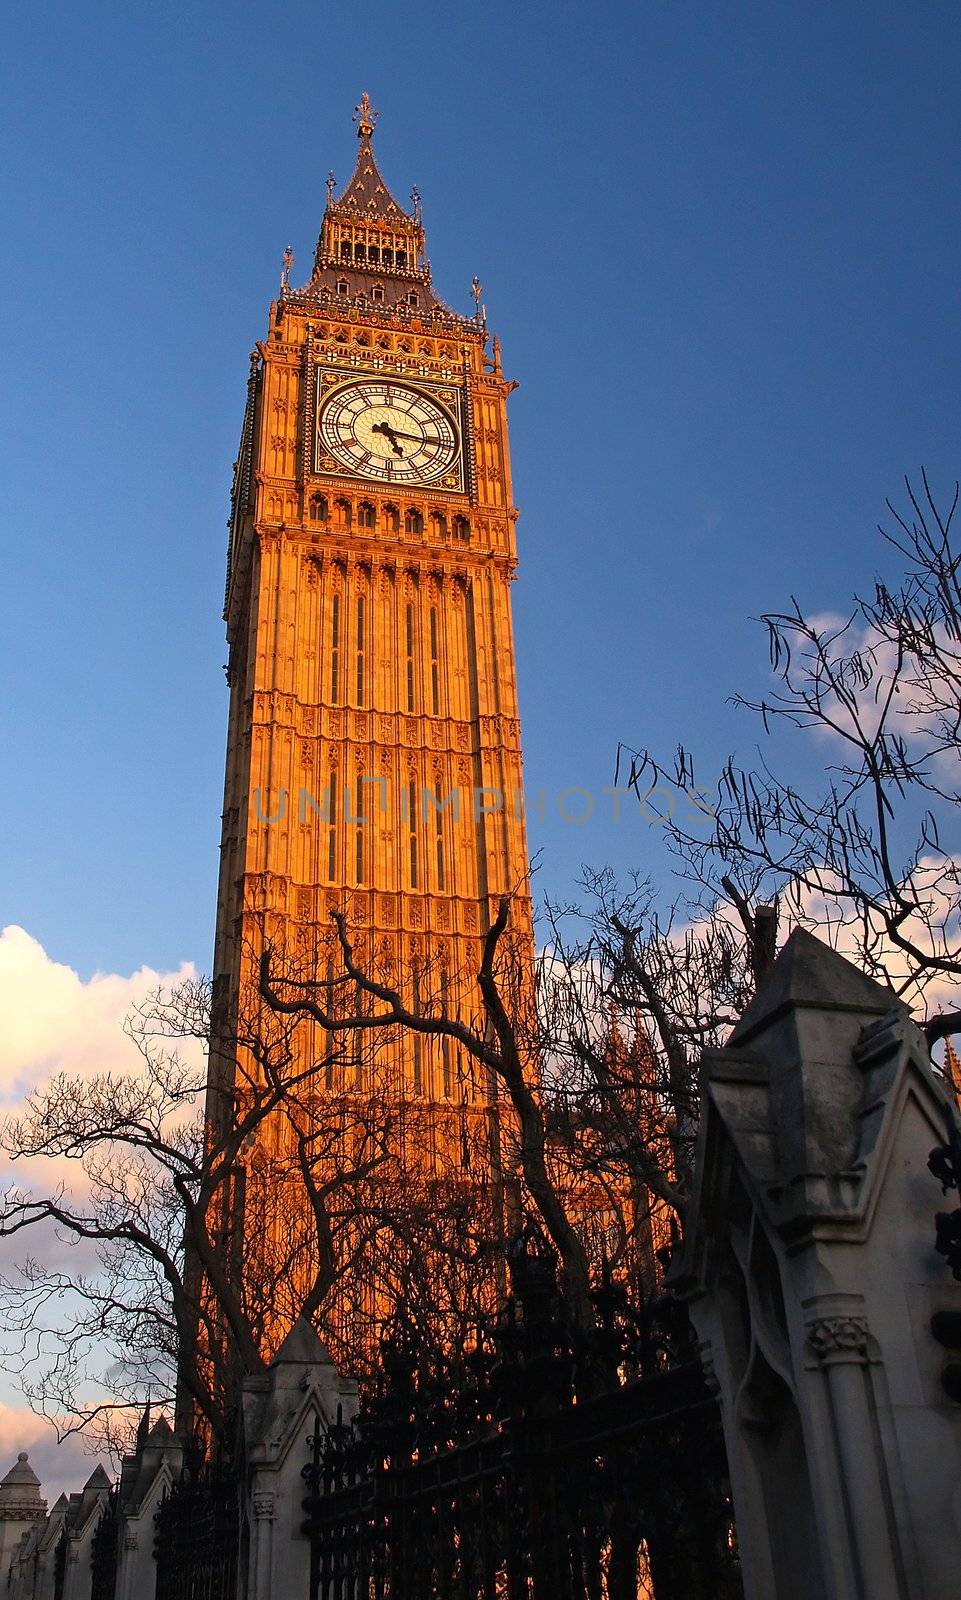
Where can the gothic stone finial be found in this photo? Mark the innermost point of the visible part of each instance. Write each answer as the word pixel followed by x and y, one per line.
pixel 331 180
pixel 365 117
pixel 285 271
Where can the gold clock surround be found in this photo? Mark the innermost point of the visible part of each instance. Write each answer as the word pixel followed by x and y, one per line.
pixel 389 429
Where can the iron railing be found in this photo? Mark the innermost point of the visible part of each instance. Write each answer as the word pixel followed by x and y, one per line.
pixel 197 1538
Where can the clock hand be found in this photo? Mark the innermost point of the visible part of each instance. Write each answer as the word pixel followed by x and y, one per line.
pixel 418 438
pixel 389 433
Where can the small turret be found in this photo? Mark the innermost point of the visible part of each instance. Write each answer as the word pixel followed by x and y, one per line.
pixel 20 1489
pixel 21 1508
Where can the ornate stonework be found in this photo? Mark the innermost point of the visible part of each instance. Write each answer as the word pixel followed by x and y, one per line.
pixel 372 676
pixel 264 1506
pixel 832 1339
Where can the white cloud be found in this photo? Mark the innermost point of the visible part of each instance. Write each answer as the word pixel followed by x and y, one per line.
pixel 54 1021
pixel 924 696
pixel 61 1468
pixel 829 916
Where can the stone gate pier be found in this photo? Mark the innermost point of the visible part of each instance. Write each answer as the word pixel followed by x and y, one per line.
pixel 824 1312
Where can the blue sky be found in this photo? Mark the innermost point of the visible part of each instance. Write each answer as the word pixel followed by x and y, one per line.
pixel 720 246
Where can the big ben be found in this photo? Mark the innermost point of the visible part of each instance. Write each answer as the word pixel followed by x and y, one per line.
pixel 373 755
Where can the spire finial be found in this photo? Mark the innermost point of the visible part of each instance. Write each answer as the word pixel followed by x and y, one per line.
pixel 477 289
pixel 288 262
pixel 143 1428
pixel 365 117
pixel 331 180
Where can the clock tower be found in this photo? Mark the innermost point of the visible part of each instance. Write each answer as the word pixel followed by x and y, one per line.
pixel 373 753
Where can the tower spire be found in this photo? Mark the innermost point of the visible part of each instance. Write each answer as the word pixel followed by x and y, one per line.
pixel 367 195
pixel 365 117
pixel 364 229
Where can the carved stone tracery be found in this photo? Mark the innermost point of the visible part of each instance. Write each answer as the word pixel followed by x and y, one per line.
pixel 843 1338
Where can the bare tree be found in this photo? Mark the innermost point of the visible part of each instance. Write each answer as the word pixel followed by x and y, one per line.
pixel 502 1042
pixel 629 999
pixel 590 1055
pixel 867 852
pixel 190 1223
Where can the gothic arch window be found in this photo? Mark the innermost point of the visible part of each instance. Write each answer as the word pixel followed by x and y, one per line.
pixel 363 338
pixel 342 514
pixel 413 521
pixel 412 299
pixel 335 650
pixel 391 519
pixel 404 344
pixel 424 348
pixel 341 336
pixel 438 524
pixel 361 647
pixel 373 253
pixel 418 1044
pixel 383 342
pixel 400 258
pixel 318 508
pixel 377 293
pixel 365 514
pixel 412 833
pixel 332 828
pixel 359 848
pixel 409 654
pixel 461 528
pixel 445 1047
pixel 386 257
pixel 439 847
pixel 360 251
pixel 345 248
pixel 341 285
pixel 434 665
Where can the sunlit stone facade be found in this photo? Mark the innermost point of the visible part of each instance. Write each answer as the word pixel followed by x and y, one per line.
pixel 373 752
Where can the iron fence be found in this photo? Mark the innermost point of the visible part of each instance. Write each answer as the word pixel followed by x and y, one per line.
pixel 530 1477
pixel 615 1497
pixel 197 1538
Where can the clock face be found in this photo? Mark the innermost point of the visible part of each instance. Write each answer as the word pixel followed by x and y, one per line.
pixel 387 431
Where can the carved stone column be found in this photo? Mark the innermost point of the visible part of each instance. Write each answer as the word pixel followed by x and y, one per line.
pixel 840 1345
pixel 262 1535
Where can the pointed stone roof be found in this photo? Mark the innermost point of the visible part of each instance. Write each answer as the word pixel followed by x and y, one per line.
pixel 302 1347
pixel 143 1427
pixel 21 1473
pixel 158 1458
pixel 809 974
pixel 367 195
pixel 20 1498
pixel 371 255
pixel 86 1505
